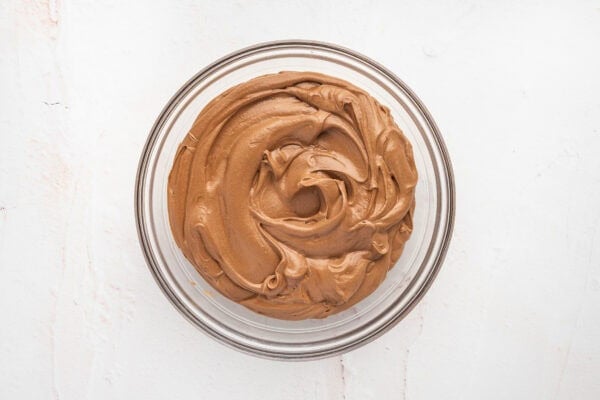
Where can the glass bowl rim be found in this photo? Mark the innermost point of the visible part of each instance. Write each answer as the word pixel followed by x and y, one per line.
pixel 139 201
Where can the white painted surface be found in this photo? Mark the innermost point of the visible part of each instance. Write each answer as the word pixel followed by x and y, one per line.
pixel 514 87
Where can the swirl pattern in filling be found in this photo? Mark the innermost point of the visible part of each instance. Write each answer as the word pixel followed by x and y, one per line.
pixel 293 194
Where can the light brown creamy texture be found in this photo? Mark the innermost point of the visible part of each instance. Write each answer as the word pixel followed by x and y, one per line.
pixel 293 194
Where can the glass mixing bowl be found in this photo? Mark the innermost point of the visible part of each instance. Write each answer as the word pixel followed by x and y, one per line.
pixel 237 326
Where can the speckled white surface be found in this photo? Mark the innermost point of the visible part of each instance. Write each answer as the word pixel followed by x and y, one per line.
pixel 513 85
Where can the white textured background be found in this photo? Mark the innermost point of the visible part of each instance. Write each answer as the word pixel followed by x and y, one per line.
pixel 515 89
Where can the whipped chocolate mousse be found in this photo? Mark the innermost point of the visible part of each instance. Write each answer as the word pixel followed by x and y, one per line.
pixel 293 194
